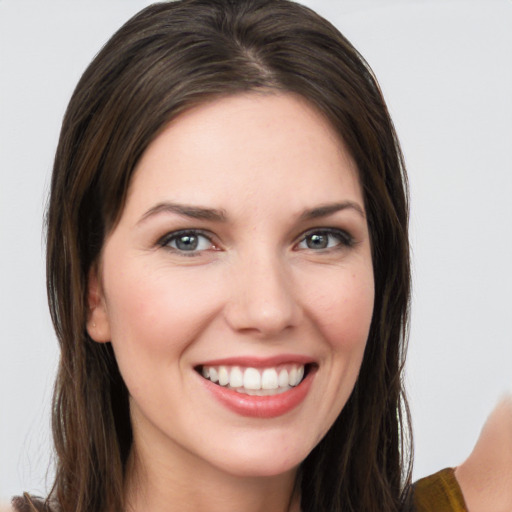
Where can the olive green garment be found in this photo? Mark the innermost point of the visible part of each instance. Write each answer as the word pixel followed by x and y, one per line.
pixel 439 492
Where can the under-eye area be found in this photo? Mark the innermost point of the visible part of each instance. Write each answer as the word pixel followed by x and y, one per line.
pixel 265 381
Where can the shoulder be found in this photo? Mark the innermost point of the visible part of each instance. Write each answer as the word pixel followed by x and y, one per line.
pixel 439 492
pixel 486 474
pixel 482 482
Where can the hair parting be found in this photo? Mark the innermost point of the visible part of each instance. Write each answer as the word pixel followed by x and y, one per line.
pixel 171 57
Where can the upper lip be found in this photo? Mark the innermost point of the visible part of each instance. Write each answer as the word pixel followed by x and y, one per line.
pixel 259 362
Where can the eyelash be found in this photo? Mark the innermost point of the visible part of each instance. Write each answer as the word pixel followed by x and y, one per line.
pixel 166 240
pixel 344 240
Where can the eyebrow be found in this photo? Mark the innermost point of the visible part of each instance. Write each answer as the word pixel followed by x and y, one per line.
pixel 330 209
pixel 194 212
pixel 212 214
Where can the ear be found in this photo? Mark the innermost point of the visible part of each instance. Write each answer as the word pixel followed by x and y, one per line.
pixel 97 324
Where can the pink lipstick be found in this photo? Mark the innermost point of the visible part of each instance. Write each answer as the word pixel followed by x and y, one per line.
pixel 261 388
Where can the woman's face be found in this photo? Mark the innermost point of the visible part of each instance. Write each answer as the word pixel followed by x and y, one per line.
pixel 241 261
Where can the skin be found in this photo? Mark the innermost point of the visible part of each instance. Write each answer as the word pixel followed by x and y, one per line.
pixel 255 287
pixel 485 477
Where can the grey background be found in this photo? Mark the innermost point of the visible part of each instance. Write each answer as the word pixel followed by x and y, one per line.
pixel 445 67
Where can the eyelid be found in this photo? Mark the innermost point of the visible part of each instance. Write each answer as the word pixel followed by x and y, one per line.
pixel 165 240
pixel 345 238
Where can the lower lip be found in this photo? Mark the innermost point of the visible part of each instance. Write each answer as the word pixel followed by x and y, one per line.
pixel 261 406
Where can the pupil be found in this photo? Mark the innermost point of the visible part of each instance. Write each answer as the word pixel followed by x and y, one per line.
pixel 317 242
pixel 187 242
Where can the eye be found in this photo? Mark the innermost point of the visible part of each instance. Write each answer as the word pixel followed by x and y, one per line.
pixel 190 242
pixel 322 239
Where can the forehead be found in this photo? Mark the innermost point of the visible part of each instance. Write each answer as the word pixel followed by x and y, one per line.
pixel 249 146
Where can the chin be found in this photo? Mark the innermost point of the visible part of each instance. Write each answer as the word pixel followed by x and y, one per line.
pixel 263 460
pixel 259 468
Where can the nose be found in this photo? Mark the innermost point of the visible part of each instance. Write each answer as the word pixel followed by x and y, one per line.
pixel 263 301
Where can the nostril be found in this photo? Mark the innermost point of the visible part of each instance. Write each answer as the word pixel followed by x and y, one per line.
pixel 263 300
pixel 265 317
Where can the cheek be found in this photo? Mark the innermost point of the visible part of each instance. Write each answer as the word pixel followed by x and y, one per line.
pixel 153 316
pixel 343 309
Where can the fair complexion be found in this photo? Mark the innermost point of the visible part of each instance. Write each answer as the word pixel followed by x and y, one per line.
pixel 242 250
pixel 485 477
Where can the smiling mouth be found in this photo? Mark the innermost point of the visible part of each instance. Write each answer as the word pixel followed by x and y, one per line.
pixel 267 381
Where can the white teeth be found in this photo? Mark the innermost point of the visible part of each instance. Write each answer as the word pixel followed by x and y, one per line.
pixel 214 376
pixel 255 381
pixel 252 379
pixel 223 376
pixel 283 378
pixel 269 379
pixel 237 378
pixel 292 377
pixel 300 374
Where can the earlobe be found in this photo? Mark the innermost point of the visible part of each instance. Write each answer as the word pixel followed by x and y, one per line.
pixel 98 326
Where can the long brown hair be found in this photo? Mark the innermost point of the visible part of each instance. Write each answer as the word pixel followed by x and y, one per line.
pixel 168 58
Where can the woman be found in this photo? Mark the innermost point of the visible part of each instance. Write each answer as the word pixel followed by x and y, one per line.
pixel 228 211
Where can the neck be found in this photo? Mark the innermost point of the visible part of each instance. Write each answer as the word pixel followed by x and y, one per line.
pixel 185 484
